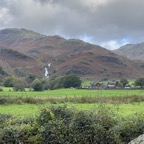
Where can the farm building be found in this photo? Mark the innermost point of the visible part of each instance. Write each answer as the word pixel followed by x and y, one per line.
pixel 111 84
pixel 96 85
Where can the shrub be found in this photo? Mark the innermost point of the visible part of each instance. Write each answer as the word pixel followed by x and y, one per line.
pixel 20 72
pixel 1 89
pixel 4 118
pixel 65 82
pixel 45 86
pixel 124 82
pixel 19 85
pixel 131 127
pixel 139 82
pixel 65 125
pixel 9 81
pixel 55 83
pixel 2 72
pixel 37 85
pixel 20 131
pixel 69 126
pixel 45 116
pixel 17 134
pixel 71 81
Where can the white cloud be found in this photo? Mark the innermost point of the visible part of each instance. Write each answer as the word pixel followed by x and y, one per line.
pixel 113 44
pixel 97 21
pixel 5 17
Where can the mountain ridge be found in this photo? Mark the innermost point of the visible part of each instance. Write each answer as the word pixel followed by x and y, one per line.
pixel 71 56
pixel 132 51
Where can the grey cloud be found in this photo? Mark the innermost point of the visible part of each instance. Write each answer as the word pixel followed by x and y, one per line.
pixel 102 20
pixel 3 3
pixel 44 1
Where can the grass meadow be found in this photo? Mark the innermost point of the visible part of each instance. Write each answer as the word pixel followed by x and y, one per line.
pixel 71 93
pixel 29 103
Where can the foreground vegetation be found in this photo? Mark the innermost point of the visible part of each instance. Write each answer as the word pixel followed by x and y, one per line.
pixel 67 125
pixel 71 116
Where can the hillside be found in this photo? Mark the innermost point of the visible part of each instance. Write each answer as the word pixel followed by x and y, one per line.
pixel 13 62
pixel 31 51
pixel 132 51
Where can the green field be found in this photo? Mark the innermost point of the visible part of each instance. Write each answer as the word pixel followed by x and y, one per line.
pixel 72 93
pixel 31 109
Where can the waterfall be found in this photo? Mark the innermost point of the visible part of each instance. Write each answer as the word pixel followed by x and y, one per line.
pixel 47 70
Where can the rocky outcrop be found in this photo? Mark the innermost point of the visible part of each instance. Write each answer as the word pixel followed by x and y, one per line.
pixel 139 140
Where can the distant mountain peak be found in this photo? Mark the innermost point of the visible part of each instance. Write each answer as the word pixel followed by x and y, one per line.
pixel 21 33
pixel 30 51
pixel 132 51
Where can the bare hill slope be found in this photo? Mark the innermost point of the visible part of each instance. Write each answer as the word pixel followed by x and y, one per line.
pixel 132 51
pixel 32 51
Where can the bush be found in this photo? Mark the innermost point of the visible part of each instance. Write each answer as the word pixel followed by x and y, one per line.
pixel 17 134
pixel 2 72
pixel 37 85
pixel 9 81
pixel 131 128
pixel 139 82
pixel 55 83
pixel 1 89
pixel 4 118
pixel 19 131
pixel 64 82
pixel 65 125
pixel 19 85
pixel 124 82
pixel 71 81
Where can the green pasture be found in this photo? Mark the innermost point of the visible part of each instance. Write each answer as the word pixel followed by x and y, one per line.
pixel 25 109
pixel 34 109
pixel 20 110
pixel 72 93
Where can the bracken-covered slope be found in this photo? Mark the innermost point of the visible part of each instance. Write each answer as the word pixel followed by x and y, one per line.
pixel 132 51
pixel 32 51
pixel 13 62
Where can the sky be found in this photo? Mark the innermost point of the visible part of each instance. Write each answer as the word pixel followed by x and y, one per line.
pixel 109 23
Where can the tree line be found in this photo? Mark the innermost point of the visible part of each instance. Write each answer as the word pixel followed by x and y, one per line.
pixel 36 84
pixel 68 81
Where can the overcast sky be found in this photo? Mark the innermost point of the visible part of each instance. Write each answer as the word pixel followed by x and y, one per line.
pixel 109 23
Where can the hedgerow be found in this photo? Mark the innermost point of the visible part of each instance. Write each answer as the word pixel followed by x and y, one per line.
pixel 64 125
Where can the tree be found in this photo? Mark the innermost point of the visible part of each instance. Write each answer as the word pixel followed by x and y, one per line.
pixel 32 77
pixel 64 82
pixel 19 85
pixel 37 85
pixel 9 81
pixel 55 83
pixel 2 72
pixel 139 82
pixel 119 84
pixel 124 82
pixel 71 81
pixel 45 84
